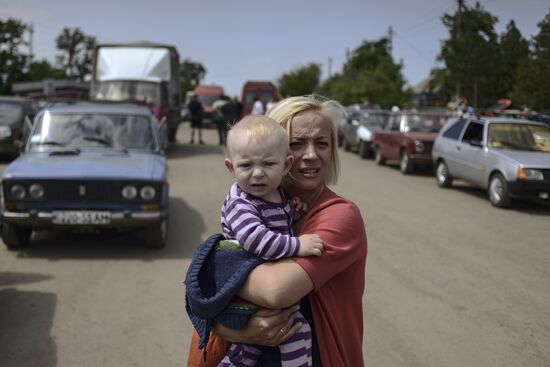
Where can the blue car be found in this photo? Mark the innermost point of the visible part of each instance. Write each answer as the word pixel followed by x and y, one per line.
pixel 88 166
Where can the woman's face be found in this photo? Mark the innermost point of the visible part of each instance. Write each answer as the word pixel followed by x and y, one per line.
pixel 310 144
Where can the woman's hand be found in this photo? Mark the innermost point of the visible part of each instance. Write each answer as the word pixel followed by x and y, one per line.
pixel 265 327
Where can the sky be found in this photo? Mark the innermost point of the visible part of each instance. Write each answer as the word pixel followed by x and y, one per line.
pixel 240 40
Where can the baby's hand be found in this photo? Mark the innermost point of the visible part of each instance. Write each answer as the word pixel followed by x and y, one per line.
pixel 310 245
pixel 297 205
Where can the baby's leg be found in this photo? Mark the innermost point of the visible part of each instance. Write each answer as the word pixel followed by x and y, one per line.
pixel 240 355
pixel 296 351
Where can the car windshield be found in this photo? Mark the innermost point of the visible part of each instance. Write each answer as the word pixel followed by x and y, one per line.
pixel 10 109
pixel 375 120
pixel 208 99
pixel 129 90
pixel 424 123
pixel 525 137
pixel 95 131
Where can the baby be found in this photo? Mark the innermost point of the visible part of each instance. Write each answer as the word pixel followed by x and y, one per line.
pixel 257 215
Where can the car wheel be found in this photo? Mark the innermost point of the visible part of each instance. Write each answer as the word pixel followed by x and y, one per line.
pixel 498 191
pixel 14 236
pixel 155 235
pixel 405 164
pixel 378 157
pixel 442 175
pixel 363 149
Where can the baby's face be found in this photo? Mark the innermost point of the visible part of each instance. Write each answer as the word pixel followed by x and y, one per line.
pixel 259 167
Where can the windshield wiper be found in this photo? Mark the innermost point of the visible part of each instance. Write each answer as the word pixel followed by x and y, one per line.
pixel 51 142
pixel 97 139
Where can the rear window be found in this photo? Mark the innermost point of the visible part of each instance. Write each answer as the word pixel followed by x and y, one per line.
pixel 454 131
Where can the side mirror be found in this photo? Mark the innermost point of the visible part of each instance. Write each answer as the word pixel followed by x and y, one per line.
pixel 476 143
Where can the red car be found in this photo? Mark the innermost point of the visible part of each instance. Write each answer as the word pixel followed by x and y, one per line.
pixel 408 138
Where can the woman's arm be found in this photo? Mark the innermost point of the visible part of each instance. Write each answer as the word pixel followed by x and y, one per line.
pixel 265 327
pixel 277 285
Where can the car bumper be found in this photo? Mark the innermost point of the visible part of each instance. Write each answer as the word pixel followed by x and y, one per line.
pixel 536 190
pixel 45 220
pixel 421 160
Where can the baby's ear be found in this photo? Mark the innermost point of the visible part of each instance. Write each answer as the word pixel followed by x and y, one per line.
pixel 288 162
pixel 229 165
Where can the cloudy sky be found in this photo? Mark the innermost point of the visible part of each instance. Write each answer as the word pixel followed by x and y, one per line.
pixel 239 40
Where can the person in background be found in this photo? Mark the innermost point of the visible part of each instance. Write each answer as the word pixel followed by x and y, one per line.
pixel 219 119
pixel 195 110
pixel 328 288
pixel 257 107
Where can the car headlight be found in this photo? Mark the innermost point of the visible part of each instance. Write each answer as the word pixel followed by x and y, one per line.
pixel 129 192
pixel 36 191
pixel 529 174
pixel 18 191
pixel 418 146
pixel 5 131
pixel 147 192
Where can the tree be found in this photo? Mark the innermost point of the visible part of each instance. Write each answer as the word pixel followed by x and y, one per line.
pixel 300 81
pixel 12 61
pixel 75 56
pixel 191 73
pixel 370 75
pixel 39 70
pixel 534 74
pixel 471 54
pixel 514 50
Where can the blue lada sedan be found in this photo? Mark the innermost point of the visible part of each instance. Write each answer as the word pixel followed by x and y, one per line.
pixel 88 166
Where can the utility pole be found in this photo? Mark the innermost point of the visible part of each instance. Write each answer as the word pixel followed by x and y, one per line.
pixel 459 37
pixel 329 64
pixel 390 39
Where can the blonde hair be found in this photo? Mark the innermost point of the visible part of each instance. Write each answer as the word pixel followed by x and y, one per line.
pixel 259 129
pixel 332 112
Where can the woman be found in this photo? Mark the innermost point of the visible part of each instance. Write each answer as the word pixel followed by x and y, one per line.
pixel 333 283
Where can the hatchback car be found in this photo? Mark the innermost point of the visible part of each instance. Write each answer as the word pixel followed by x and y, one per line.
pixel 508 158
pixel 359 130
pixel 88 167
pixel 14 111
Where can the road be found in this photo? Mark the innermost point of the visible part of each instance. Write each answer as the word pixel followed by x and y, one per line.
pixel 450 281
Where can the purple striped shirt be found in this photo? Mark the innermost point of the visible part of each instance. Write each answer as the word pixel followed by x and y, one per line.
pixel 261 227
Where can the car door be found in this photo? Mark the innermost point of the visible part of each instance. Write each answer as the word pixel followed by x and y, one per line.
pixel 448 146
pixel 470 155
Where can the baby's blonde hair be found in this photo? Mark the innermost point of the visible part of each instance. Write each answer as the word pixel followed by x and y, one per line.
pixel 259 129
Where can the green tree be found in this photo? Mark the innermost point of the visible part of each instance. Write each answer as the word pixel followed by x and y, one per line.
pixel 191 74
pixel 12 61
pixel 39 70
pixel 300 81
pixel 514 50
pixel 370 75
pixel 471 54
pixel 534 74
pixel 75 52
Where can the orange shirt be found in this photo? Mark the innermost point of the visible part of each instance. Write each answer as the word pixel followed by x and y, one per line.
pixel 338 277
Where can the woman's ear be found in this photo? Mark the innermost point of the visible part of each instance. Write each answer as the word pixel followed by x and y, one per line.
pixel 288 162
pixel 229 165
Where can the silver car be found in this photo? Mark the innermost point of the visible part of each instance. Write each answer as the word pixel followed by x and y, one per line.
pixel 508 158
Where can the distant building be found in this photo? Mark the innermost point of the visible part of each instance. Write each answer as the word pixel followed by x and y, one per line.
pixel 425 96
pixel 52 89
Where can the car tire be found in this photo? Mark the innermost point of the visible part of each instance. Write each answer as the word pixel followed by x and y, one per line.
pixel 15 237
pixel 364 151
pixel 378 157
pixel 442 176
pixel 155 236
pixel 499 195
pixel 405 164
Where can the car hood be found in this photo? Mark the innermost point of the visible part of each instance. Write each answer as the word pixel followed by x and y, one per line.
pixel 528 159
pixel 88 165
pixel 427 137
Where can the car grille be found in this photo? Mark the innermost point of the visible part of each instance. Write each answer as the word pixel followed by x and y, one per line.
pixel 428 147
pixel 546 174
pixel 83 191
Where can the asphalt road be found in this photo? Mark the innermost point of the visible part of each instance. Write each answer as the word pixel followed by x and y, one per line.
pixel 451 281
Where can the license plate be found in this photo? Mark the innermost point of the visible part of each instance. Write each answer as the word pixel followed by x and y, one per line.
pixel 79 217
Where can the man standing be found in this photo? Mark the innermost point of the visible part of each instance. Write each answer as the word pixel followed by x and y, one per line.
pixel 195 109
